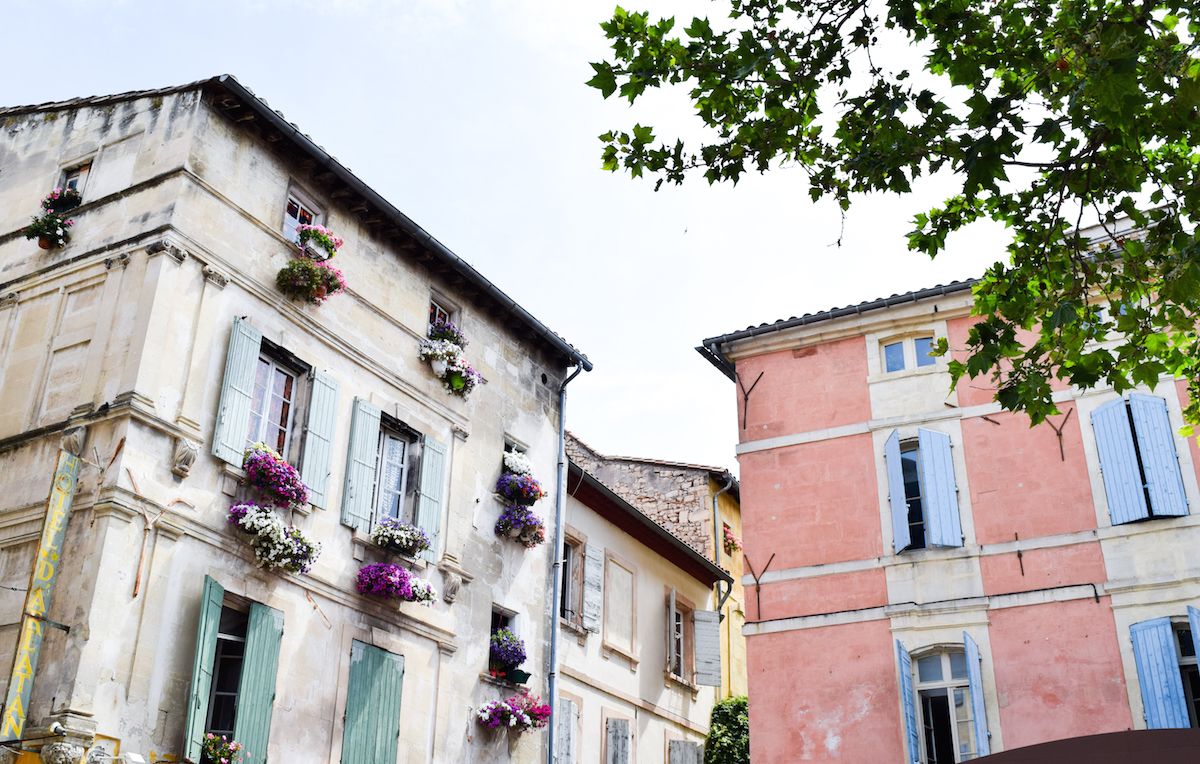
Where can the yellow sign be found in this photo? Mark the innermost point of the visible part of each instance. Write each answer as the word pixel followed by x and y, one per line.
pixel 37 601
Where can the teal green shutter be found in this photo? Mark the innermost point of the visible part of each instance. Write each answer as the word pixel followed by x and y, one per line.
pixel 429 503
pixel 202 668
pixel 318 438
pixel 1156 446
pixel 372 720
pixel 908 704
pixel 360 465
pixel 256 691
pixel 237 388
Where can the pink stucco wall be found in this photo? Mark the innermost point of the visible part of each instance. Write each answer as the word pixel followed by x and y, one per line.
pixel 826 694
pixel 1054 566
pixel 1181 387
pixel 804 390
pixel 795 503
pixel 819 594
pixel 1058 671
pixel 1008 495
pixel 972 392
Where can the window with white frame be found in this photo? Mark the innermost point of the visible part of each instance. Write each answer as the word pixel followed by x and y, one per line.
pixel 944 706
pixel 681 641
pixel 922 491
pixel 227 672
pixel 300 210
pixel 395 488
pixel 75 178
pixel 907 353
pixel 272 404
pixel 439 311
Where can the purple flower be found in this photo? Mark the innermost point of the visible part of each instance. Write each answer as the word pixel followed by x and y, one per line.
pixel 520 489
pixel 385 579
pixel 278 480
pixel 507 649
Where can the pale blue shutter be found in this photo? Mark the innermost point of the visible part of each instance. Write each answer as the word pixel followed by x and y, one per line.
pixel 360 465
pixel 237 388
pixel 1156 444
pixel 1194 622
pixel 372 718
pixel 901 537
pixel 256 689
pixel 1118 463
pixel 939 491
pixel 1158 674
pixel 202 667
pixel 908 704
pixel 983 739
pixel 706 625
pixel 318 438
pixel 429 503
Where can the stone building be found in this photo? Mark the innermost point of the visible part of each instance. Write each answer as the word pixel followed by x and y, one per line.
pixel 157 345
pixel 680 497
pixel 970 585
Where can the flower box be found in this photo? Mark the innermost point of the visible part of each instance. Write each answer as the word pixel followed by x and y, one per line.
pixel 523 490
pixel 518 713
pixel 388 580
pixel 521 524
pixel 51 229
pixel 275 479
pixel 309 280
pixel 275 545
pixel 61 200
pixel 506 650
pixel 449 364
pixel 401 538
pixel 317 241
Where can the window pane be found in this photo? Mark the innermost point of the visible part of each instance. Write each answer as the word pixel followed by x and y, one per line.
pixel 929 668
pixel 893 356
pixel 1187 648
pixel 306 217
pixel 912 494
pixel 293 209
pixel 958 665
pixel 923 345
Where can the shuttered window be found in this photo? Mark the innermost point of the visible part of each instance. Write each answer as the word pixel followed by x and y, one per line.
pixel 922 491
pixel 983 741
pixel 616 741
pixel 565 720
pixel 256 691
pixel 372 718
pixel 199 692
pixel 593 587
pixel 1163 703
pixel 1135 442
pixel 707 625
pixel 432 496
pixel 318 438
pixel 908 704
pixel 360 465
pixel 684 752
pixel 237 391
pixel 942 703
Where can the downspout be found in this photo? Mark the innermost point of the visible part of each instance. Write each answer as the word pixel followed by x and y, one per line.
pixel 717 548
pixel 560 518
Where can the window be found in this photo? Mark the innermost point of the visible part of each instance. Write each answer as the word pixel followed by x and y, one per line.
pixel 1164 652
pixel 227 672
pixel 300 211
pixel 76 177
pixel 942 698
pixel 923 348
pixel 272 404
pixel 680 638
pixel 501 619
pixel 1135 442
pixel 439 312
pixel 915 352
pixel 893 356
pixel 922 491
pixel 570 604
pixel 396 458
pixel 620 606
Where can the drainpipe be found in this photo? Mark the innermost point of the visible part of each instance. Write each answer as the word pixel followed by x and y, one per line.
pixel 716 516
pixel 560 518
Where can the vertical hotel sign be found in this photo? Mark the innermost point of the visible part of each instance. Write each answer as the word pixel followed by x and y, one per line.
pixel 37 601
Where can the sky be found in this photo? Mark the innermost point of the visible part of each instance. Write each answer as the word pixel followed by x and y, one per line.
pixel 474 119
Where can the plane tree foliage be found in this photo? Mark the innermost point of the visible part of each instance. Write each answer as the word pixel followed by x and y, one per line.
pixel 1048 116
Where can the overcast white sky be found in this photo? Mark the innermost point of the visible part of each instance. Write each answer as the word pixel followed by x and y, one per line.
pixel 473 118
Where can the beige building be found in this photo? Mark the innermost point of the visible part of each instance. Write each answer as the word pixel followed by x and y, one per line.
pixel 639 653
pixel 158 342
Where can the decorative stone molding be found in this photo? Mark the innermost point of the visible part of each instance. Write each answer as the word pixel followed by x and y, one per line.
pixel 184 457
pixel 5 301
pixel 73 439
pixel 98 755
pixel 215 276
pixel 61 753
pixel 462 433
pixel 118 261
pixel 453 578
pixel 169 248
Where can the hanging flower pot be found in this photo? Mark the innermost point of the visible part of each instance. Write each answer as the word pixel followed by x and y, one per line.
pixel 51 230
pixel 438 365
pixel 449 364
pixel 45 242
pixel 395 536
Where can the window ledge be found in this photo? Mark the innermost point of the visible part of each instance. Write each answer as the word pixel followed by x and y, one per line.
pixel 888 376
pixel 365 548
pixel 579 632
pixel 610 649
pixel 498 682
pixel 671 679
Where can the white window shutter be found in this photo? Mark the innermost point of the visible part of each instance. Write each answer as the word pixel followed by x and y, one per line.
pixel 617 733
pixel 901 535
pixel 707 626
pixel 939 491
pixel 237 389
pixel 983 740
pixel 908 704
pixel 1118 463
pixel 564 751
pixel 318 438
pixel 1156 444
pixel 360 465
pixel 684 752
pixel 429 503
pixel 593 584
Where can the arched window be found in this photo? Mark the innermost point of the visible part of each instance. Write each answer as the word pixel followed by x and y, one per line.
pixel 947 723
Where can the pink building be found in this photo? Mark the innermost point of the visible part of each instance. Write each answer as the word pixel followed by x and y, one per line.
pixel 937 580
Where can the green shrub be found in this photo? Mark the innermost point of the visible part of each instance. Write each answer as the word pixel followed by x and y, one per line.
pixel 729 733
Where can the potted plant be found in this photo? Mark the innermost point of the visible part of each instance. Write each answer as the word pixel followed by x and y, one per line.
pixel 731 542
pixel 396 536
pixel 61 200
pixel 524 490
pixel 308 280
pixel 275 545
pixel 220 750
pixel 518 713
pixel 51 230
pixel 274 478
pixel 506 651
pixel 446 330
pixel 388 580
pixel 449 364
pixel 317 241
pixel 521 524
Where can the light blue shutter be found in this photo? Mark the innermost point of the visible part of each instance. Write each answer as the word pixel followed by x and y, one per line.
pixel 908 704
pixel 1156 444
pixel 1158 674
pixel 939 491
pixel 901 537
pixel 1118 463
pixel 237 388
pixel 256 689
pixel 983 739
pixel 318 438
pixel 360 465
pixel 372 719
pixel 706 625
pixel 1194 622
pixel 202 667
pixel 429 503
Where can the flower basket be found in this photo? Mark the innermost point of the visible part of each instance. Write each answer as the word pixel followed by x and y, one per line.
pixel 61 200
pixel 317 241
pixel 523 490
pixel 277 481
pixel 51 229
pixel 390 581
pixel 449 364
pixel 447 331
pixel 402 538
pixel 731 542
pixel 506 650
pixel 521 524
pixel 275 545
pixel 518 713
pixel 220 750
pixel 309 280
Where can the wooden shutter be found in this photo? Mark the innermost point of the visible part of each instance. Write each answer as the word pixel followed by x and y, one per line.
pixel 983 739
pixel 318 438
pixel 564 750
pixel 684 752
pixel 671 610
pixel 1163 701
pixel 1194 622
pixel 706 625
pixel 360 465
pixel 237 389
pixel 593 587
pixel 908 704
pixel 372 728
pixel 617 738
pixel 256 690
pixel 1118 463
pixel 1156 445
pixel 901 537
pixel 202 667
pixel 432 497
pixel 939 491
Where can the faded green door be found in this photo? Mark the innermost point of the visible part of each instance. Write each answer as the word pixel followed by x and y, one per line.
pixel 372 706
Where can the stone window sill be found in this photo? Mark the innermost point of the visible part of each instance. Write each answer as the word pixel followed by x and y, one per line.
pixel 579 632
pixel 364 548
pixel 498 682
pixel 672 679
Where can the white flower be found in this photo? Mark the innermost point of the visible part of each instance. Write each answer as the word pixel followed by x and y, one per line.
pixel 517 463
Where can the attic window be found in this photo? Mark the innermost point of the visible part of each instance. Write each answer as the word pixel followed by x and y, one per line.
pixel 76 177
pixel 300 211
